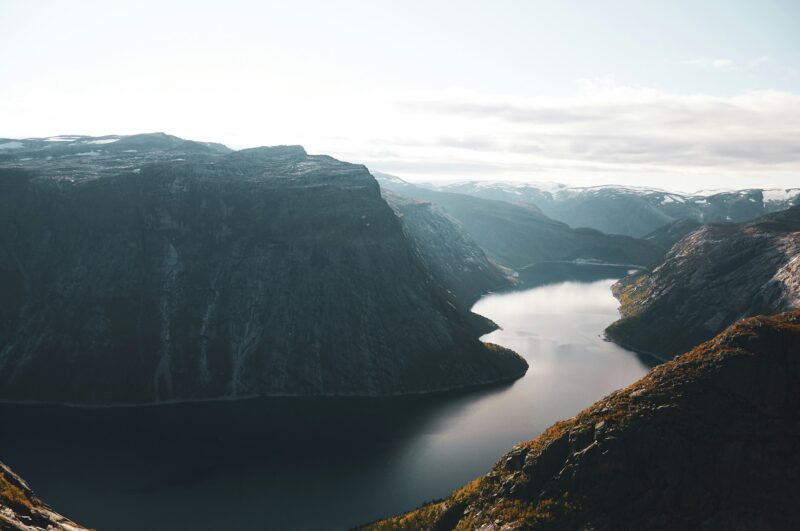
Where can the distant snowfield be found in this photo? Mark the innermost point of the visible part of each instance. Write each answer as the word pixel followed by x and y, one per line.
pixel 780 195
pixel 563 191
pixel 102 141
pixel 673 199
pixel 11 145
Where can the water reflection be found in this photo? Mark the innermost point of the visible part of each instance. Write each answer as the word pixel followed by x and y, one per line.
pixel 322 464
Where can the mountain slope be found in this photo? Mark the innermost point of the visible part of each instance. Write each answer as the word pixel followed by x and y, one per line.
pixel 629 210
pixel 21 510
pixel 712 277
pixel 450 254
pixel 706 441
pixel 220 275
pixel 517 235
pixel 668 235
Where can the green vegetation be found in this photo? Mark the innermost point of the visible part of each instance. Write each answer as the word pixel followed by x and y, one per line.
pixel 631 293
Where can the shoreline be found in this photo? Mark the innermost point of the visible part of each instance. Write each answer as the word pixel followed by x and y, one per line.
pixel 441 392
pixel 653 355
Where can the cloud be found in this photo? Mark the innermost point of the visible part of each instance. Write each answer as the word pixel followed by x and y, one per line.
pixel 606 128
pixel 716 64
pixel 730 64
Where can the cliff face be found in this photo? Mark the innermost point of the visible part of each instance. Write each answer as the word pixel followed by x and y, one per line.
pixel 706 441
pixel 517 235
pixel 715 275
pixel 21 510
pixel 189 276
pixel 449 252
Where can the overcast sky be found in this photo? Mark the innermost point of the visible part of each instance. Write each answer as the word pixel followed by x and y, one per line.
pixel 674 94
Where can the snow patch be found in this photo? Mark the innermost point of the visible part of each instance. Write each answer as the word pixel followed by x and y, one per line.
pixel 11 145
pixel 775 196
pixel 102 141
pixel 672 199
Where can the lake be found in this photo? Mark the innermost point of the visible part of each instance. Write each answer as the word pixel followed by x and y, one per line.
pixel 294 463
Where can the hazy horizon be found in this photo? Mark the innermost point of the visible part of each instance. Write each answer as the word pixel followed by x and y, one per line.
pixel 673 95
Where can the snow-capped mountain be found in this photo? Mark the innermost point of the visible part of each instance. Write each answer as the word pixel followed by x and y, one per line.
pixel 633 211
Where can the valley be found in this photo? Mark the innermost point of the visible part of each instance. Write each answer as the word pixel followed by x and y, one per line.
pixel 383 266
pixel 264 330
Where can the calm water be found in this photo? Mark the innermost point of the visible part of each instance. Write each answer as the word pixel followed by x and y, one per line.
pixel 323 464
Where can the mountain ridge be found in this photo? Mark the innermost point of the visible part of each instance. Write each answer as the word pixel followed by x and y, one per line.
pixel 713 276
pixel 164 275
pixel 629 210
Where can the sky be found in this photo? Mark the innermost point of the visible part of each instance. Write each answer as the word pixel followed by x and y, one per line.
pixel 681 95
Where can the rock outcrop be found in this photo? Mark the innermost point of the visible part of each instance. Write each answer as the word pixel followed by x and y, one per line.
pixel 21 510
pixel 182 271
pixel 706 441
pixel 516 235
pixel 717 274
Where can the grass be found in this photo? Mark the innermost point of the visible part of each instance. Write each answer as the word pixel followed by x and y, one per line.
pixel 12 495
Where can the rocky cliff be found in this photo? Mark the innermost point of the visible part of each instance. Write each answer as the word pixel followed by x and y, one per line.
pixel 181 271
pixel 21 510
pixel 706 441
pixel 717 274
pixel 516 235
pixel 448 251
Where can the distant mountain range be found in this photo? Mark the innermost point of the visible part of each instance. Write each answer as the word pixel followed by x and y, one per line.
pixel 629 210
pixel 706 441
pixel 149 268
pixel 517 235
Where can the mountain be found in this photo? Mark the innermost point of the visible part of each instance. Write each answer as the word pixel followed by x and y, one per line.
pixel 717 274
pixel 630 210
pixel 184 271
pixel 706 441
pixel 517 235
pixel 668 235
pixel 21 510
pixel 447 250
pixel 80 158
